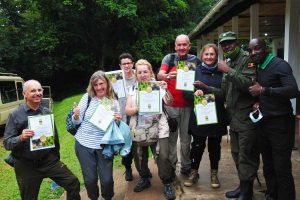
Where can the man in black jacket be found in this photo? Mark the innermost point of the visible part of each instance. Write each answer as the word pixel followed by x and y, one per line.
pixel 274 88
pixel 31 167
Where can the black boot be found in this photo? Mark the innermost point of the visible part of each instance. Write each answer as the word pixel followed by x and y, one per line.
pixel 233 194
pixel 169 192
pixel 128 174
pixel 142 184
pixel 246 190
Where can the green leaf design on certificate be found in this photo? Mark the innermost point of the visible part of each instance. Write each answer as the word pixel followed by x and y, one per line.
pixel 107 103
pixel 181 64
pixel 198 100
pixel 142 86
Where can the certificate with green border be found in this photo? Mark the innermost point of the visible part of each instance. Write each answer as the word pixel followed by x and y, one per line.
pixel 149 97
pixel 43 127
pixel 205 109
pixel 185 76
pixel 118 82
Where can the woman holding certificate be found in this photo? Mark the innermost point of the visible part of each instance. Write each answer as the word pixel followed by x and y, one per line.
pixel 149 126
pixel 213 124
pixel 87 146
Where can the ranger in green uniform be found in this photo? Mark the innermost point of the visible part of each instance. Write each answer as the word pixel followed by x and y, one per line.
pixel 239 73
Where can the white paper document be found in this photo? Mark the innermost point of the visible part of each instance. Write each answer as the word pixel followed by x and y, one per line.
pixel 149 97
pixel 205 109
pixel 102 117
pixel 118 82
pixel 185 76
pixel 43 127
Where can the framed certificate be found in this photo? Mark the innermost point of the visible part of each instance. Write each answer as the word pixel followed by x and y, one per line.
pixel 43 127
pixel 205 109
pixel 149 97
pixel 185 76
pixel 118 82
pixel 102 117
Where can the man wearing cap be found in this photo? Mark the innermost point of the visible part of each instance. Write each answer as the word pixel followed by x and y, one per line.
pixel 239 73
pixel 274 88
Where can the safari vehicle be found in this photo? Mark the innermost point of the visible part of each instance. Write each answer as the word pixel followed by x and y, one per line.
pixel 11 87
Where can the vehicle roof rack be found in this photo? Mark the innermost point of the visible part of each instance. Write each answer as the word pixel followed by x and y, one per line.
pixel 8 74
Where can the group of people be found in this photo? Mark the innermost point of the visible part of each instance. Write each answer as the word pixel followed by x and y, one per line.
pixel 252 96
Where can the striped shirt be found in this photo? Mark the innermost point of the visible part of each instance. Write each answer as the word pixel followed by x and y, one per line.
pixel 89 135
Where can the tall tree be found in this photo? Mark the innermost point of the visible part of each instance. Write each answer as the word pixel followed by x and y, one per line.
pixel 66 40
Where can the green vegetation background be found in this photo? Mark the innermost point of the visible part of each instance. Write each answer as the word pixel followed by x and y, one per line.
pixel 8 184
pixel 68 40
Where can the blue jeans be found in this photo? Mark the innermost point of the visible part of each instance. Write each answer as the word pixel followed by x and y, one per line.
pixel 94 165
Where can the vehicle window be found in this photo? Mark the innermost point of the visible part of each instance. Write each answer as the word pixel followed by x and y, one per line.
pixel 20 90
pixel 8 91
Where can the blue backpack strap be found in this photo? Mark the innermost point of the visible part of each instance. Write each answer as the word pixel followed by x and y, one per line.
pixel 87 105
pixel 89 101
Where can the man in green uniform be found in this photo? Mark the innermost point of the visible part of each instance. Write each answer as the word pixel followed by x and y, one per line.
pixel 239 73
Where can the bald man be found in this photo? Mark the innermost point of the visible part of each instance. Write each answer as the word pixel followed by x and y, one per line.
pixel 180 109
pixel 274 88
pixel 31 167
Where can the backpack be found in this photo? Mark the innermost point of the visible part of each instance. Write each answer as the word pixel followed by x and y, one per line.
pixel 172 59
pixel 70 126
pixel 145 136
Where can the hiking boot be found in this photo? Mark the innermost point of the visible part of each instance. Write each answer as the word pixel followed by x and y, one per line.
pixel 214 181
pixel 142 184
pixel 169 192
pixel 193 178
pixel 128 175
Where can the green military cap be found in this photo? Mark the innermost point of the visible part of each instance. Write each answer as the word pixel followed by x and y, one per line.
pixel 227 36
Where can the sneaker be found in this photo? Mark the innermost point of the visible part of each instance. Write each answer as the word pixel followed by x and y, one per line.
pixel 193 178
pixel 128 175
pixel 169 192
pixel 142 184
pixel 214 181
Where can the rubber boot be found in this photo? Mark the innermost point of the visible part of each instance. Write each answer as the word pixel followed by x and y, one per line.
pixel 234 193
pixel 246 190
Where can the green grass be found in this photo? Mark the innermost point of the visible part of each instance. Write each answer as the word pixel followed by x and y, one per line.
pixel 8 185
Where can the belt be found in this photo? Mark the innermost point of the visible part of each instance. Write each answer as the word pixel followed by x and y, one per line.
pixel 37 161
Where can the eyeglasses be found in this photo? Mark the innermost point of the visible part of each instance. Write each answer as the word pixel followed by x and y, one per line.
pixel 128 63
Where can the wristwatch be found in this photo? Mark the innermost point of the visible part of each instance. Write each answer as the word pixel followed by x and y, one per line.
pixel 168 77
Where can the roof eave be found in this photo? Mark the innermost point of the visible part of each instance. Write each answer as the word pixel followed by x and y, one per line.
pixel 223 11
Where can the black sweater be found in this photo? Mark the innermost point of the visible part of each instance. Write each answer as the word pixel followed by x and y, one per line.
pixel 211 78
pixel 280 86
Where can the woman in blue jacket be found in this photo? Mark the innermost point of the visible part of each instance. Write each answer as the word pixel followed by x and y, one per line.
pixel 208 73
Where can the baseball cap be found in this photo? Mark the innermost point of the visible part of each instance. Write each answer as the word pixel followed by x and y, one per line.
pixel 227 36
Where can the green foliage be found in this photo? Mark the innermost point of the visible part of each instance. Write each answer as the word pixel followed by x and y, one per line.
pixel 67 40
